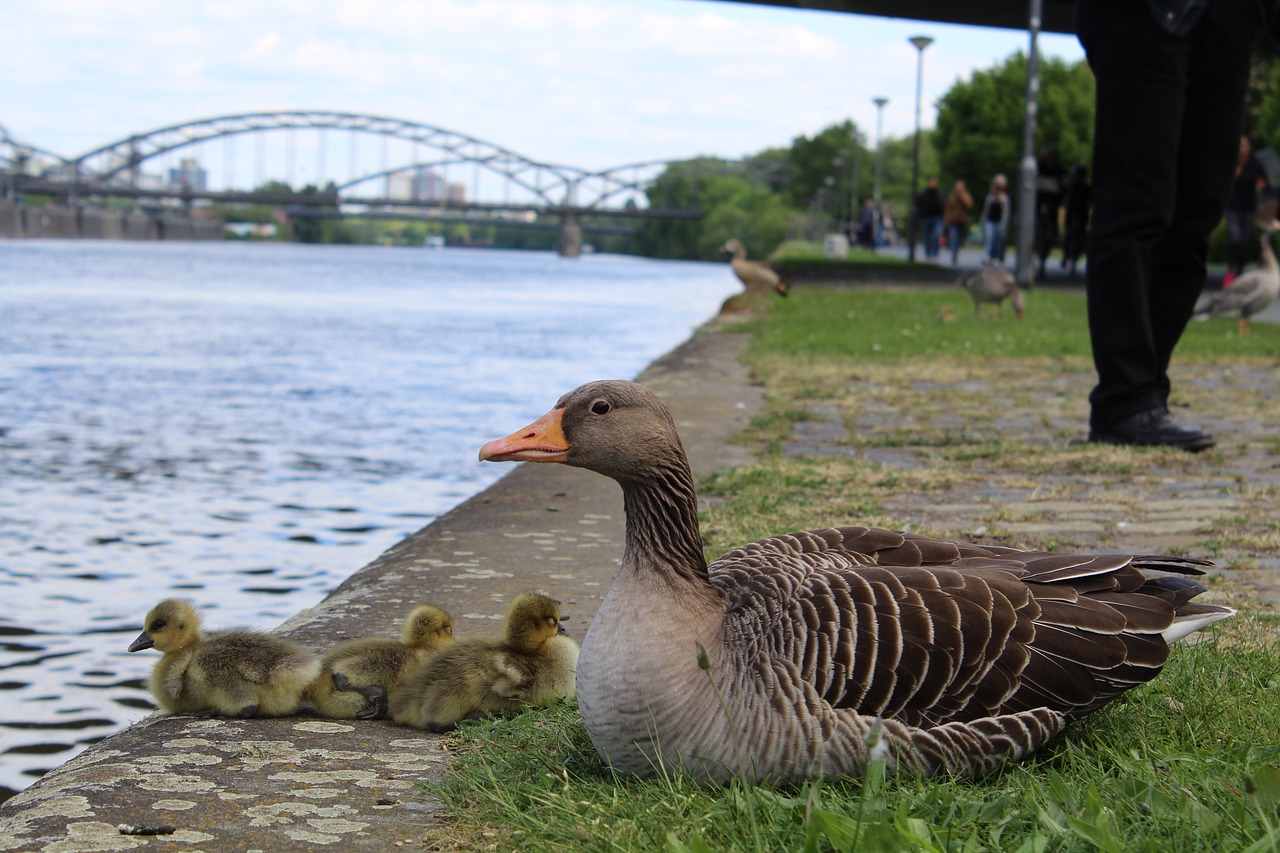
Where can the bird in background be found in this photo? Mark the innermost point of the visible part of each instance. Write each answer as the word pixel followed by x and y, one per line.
pixel 758 278
pixel 993 283
pixel 1249 292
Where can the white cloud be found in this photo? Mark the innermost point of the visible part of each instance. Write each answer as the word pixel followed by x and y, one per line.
pixel 587 83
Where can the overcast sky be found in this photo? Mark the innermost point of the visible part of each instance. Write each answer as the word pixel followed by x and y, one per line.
pixel 589 84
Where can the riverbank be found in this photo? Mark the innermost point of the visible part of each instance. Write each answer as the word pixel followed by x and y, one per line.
pixel 18 221
pixel 295 783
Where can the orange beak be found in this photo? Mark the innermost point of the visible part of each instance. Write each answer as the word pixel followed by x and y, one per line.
pixel 541 441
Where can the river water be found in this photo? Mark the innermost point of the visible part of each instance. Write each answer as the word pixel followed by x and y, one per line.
pixel 248 424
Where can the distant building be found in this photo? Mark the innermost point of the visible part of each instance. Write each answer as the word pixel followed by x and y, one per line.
pixel 420 184
pixel 189 173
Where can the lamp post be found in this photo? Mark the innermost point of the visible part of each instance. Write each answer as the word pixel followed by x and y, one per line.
pixel 879 102
pixel 920 43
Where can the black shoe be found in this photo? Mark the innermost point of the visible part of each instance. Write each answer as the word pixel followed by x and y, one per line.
pixel 1153 428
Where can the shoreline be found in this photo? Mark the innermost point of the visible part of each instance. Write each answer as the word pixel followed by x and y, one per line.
pixel 298 782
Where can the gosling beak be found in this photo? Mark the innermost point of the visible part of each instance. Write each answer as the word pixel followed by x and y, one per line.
pixel 541 441
pixel 144 641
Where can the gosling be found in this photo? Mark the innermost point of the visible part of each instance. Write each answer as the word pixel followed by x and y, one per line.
pixel 356 675
pixel 237 673
pixel 533 663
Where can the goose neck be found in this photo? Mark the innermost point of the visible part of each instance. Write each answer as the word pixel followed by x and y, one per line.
pixel 662 527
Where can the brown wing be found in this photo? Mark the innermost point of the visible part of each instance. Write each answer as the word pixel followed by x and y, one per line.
pixel 928 632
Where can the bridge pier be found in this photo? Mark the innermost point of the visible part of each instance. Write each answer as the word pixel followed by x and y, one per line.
pixel 570 242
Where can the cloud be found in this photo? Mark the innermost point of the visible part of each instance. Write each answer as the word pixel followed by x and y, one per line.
pixel 587 83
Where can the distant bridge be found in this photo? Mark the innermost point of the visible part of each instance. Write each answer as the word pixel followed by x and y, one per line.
pixel 351 164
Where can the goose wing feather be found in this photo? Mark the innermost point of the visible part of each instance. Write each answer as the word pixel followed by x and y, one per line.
pixel 930 632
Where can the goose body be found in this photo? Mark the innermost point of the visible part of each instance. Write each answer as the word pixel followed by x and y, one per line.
pixel 532 663
pixel 356 675
pixel 759 279
pixel 792 657
pixel 238 673
pixel 1251 292
pixel 993 283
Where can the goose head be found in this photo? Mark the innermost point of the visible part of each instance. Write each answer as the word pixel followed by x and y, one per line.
pixel 170 626
pixel 532 619
pixel 734 247
pixel 615 428
pixel 427 627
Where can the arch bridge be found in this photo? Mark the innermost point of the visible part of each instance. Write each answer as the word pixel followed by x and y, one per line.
pixel 345 164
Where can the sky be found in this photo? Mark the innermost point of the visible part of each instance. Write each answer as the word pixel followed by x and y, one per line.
pixel 588 84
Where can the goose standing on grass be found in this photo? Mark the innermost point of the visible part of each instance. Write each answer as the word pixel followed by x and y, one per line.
pixel 993 283
pixel 1249 293
pixel 797 656
pixel 759 279
pixel 533 663
pixel 238 673
pixel 356 675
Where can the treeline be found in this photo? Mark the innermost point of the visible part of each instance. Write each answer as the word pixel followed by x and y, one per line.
pixel 817 184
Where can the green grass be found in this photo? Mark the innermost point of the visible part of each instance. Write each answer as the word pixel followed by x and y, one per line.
pixel 1188 762
pixel 810 251
pixel 882 325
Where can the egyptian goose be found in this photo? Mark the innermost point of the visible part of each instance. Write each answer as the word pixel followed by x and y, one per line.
pixel 532 663
pixel 993 283
pixel 356 675
pixel 238 673
pixel 758 279
pixel 783 658
pixel 1251 292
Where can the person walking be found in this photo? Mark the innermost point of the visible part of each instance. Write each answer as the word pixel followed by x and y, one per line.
pixel 1050 184
pixel 1079 201
pixel 929 207
pixel 956 217
pixel 995 219
pixel 1242 208
pixel 1171 77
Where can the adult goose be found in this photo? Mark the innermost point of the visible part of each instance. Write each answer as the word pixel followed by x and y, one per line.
pixel 993 283
pixel 782 659
pixel 1249 293
pixel 759 279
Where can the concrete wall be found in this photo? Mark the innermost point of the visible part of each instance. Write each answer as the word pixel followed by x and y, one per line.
pixel 18 221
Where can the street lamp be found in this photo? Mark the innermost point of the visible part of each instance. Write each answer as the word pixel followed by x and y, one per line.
pixel 879 102
pixel 920 43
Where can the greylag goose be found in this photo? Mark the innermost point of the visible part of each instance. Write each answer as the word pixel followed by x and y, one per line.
pixel 758 279
pixel 238 673
pixel 784 657
pixel 356 675
pixel 1249 293
pixel 993 283
pixel 534 662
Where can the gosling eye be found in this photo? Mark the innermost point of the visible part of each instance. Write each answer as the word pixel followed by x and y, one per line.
pixel 157 625
pixel 600 407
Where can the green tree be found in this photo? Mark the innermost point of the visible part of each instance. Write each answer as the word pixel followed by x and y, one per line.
pixel 980 120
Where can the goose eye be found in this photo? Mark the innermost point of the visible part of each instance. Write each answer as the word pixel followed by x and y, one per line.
pixel 600 407
pixel 158 625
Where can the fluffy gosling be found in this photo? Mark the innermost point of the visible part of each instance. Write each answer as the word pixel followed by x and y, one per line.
pixel 533 663
pixel 356 675
pixel 237 673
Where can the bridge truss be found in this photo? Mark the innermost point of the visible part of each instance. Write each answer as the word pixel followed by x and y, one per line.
pixel 361 157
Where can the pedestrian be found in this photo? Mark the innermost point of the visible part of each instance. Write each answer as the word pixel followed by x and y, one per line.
pixel 1079 200
pixel 1171 77
pixel 1050 183
pixel 867 225
pixel 995 219
pixel 1242 208
pixel 929 207
pixel 956 217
